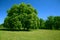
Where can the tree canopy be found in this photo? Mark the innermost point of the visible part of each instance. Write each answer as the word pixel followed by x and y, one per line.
pixel 22 16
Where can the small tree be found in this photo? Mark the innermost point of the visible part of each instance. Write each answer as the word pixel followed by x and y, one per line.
pixel 42 23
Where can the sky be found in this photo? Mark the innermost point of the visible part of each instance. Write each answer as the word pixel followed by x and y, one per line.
pixel 44 8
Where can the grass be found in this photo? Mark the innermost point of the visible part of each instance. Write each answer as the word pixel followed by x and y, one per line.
pixel 31 35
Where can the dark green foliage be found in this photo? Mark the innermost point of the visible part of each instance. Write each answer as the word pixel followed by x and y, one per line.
pixel 53 22
pixel 57 22
pixel 49 22
pixel 42 24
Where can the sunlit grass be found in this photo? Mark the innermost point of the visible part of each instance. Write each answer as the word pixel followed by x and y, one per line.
pixel 31 35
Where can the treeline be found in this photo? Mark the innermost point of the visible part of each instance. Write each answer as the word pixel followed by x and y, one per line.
pixel 53 22
pixel 24 17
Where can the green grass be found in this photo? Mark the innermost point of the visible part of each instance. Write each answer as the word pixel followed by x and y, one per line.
pixel 31 35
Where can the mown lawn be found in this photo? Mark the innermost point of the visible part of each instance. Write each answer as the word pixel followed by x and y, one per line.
pixel 31 35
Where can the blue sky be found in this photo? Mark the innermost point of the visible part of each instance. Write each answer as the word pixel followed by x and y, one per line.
pixel 45 8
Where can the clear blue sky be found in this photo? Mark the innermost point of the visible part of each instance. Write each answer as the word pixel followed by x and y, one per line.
pixel 45 8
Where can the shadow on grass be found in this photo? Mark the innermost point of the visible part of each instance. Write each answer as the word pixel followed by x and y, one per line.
pixel 12 30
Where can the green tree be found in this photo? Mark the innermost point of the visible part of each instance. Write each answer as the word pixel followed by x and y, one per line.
pixel 42 23
pixel 49 24
pixel 57 22
pixel 22 16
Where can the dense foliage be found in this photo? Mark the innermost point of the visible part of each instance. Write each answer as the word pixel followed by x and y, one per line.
pixel 42 24
pixel 22 16
pixel 53 22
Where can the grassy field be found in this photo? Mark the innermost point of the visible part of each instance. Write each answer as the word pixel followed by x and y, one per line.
pixel 31 35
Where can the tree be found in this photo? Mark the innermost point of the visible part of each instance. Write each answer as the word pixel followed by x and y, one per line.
pixel 57 22
pixel 42 23
pixel 49 24
pixel 22 16
pixel 53 22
